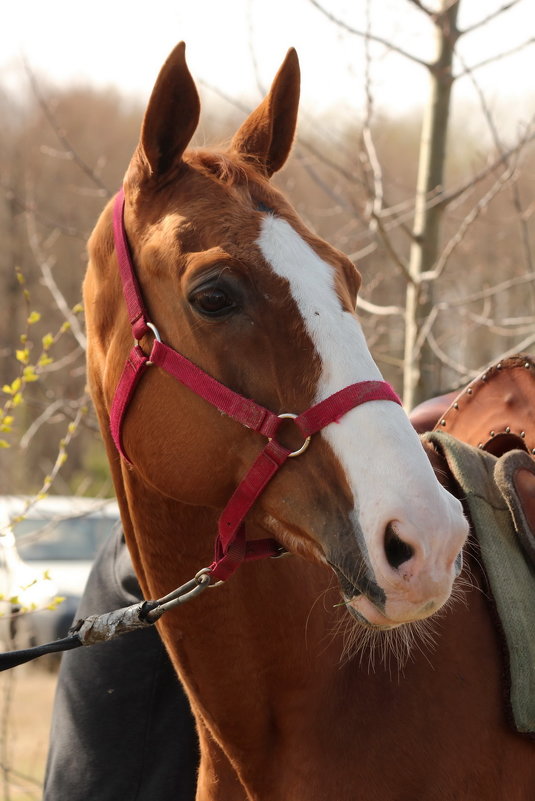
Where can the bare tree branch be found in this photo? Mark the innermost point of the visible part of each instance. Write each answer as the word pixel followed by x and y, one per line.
pixel 480 23
pixel 425 330
pixel 44 417
pixel 369 152
pixel 386 358
pixel 328 189
pixel 403 211
pixel 60 364
pixel 497 57
pixel 519 347
pixel 455 194
pixel 243 107
pixel 359 255
pixel 23 205
pixel 500 148
pixel 252 51
pixel 497 326
pixel 467 222
pixel 73 154
pixel 419 5
pixel 465 373
pixel 305 143
pixel 50 282
pixel 378 39
pixel 497 289
pixel 392 252
pixel 382 311
pixel 370 158
pixel 517 321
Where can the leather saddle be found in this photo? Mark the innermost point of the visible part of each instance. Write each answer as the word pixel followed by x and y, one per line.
pixel 496 412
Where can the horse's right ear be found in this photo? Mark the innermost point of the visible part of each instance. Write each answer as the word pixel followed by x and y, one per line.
pixel 267 134
pixel 169 123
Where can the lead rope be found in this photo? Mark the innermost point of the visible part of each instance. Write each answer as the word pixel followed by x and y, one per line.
pixel 110 625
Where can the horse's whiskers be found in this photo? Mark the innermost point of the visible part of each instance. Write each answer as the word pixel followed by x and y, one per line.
pixel 321 597
pixel 389 648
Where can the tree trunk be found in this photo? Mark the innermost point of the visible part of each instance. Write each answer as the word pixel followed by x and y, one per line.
pixel 419 379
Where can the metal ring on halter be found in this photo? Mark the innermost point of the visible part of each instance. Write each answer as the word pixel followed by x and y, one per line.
pixel 306 443
pixel 154 331
pixel 156 335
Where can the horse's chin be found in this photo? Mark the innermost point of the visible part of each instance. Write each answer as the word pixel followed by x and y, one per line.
pixel 368 615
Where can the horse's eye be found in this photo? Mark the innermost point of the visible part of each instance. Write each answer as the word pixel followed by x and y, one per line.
pixel 212 301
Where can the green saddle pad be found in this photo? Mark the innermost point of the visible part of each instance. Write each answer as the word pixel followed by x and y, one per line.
pixel 510 575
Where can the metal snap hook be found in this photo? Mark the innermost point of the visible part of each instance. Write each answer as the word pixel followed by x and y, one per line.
pixel 200 577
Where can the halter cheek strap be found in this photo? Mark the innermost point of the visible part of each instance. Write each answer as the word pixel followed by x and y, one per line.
pixel 231 547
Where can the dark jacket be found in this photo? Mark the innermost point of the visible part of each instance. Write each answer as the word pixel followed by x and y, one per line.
pixel 122 729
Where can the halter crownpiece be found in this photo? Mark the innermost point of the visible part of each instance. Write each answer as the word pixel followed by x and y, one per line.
pixel 231 547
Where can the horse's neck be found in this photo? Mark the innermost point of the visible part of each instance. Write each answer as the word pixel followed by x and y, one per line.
pixel 260 660
pixel 247 643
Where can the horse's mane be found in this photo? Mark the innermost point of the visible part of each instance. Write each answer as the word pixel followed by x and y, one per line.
pixel 230 168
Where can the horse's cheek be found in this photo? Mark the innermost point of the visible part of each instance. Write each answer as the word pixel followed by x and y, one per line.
pixel 164 436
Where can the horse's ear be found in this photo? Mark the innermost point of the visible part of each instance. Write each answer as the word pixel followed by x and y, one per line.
pixel 170 120
pixel 267 134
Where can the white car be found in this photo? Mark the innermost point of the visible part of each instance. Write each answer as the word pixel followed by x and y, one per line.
pixel 20 589
pixel 46 550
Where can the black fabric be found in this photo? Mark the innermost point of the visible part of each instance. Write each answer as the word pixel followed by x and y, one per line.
pixel 122 729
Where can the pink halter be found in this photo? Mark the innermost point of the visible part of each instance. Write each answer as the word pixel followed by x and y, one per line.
pixel 231 547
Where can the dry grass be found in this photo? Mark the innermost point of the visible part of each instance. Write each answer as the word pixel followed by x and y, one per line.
pixel 26 695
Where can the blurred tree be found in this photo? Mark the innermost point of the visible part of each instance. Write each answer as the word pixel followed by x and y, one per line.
pixel 436 216
pixel 430 215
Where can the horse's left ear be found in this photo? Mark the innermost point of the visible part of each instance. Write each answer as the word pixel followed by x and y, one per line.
pixel 267 134
pixel 169 123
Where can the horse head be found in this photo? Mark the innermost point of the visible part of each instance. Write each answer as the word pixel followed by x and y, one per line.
pixel 236 282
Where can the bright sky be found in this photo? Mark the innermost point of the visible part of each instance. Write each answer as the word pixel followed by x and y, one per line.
pixel 124 43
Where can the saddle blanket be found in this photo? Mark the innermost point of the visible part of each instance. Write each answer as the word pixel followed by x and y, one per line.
pixel 488 493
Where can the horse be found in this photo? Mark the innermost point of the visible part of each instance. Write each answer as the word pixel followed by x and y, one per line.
pixel 245 330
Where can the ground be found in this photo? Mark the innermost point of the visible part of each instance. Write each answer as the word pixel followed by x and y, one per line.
pixel 26 695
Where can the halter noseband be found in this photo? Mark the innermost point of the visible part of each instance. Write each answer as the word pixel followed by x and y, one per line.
pixel 231 547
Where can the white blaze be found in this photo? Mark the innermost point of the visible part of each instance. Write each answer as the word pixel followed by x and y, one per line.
pixel 378 449
pixel 336 334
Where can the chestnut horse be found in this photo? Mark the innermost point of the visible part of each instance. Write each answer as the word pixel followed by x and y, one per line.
pixel 236 283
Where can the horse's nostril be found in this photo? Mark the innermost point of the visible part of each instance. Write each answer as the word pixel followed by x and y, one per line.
pixel 397 551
